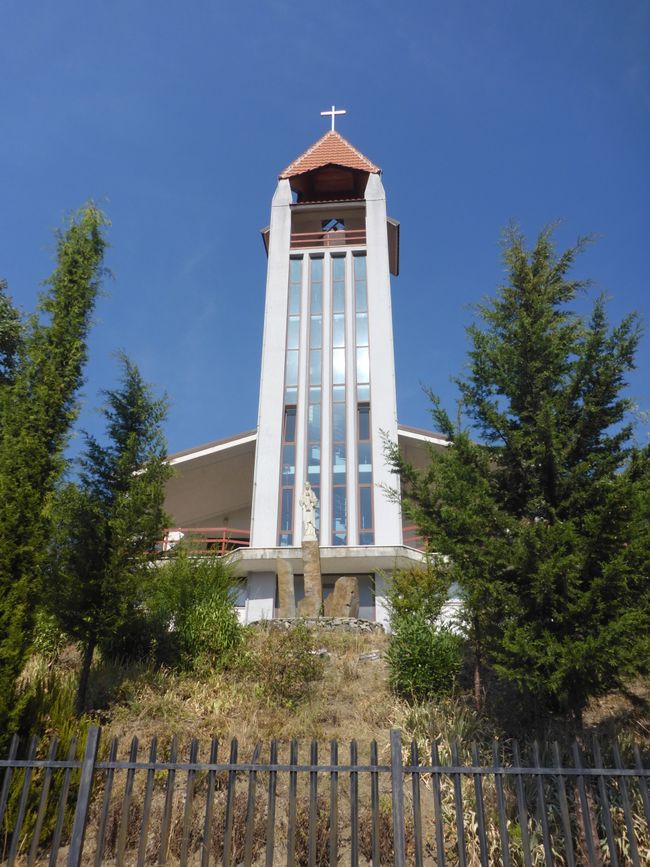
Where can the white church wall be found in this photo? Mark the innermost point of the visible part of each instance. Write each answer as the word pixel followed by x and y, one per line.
pixel 260 602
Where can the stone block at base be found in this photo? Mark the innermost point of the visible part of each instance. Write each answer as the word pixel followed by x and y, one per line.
pixel 343 601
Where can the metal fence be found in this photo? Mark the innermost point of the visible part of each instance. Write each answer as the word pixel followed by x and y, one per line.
pixel 459 806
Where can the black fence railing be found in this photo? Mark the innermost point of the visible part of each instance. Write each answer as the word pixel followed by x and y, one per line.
pixel 453 806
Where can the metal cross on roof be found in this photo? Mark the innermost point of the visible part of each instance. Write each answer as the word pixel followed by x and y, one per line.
pixel 333 113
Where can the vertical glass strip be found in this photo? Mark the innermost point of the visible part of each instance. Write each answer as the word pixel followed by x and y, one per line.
pixel 362 384
pixel 339 450
pixel 292 353
pixel 314 406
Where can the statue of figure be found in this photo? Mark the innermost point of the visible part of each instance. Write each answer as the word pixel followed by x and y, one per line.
pixel 308 503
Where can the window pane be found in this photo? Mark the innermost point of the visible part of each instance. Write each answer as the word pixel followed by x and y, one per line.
pixel 360 267
pixel 287 506
pixel 317 269
pixel 295 270
pixel 363 392
pixel 314 395
pixel 293 332
pixel 290 424
pixel 367 538
pixel 286 539
pixel 338 463
pixel 338 330
pixel 365 508
pixel 288 464
pixel 338 303
pixel 340 538
pixel 314 366
pixel 364 422
pixel 338 422
pixel 363 364
pixel 338 268
pixel 316 298
pixel 365 463
pixel 291 395
pixel 294 298
pixel 362 295
pixel 338 366
pixel 338 393
pixel 316 332
pixel 362 329
pixel 292 367
pixel 339 509
pixel 313 423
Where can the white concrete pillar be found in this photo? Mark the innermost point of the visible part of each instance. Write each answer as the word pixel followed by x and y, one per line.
pixel 383 397
pixel 264 518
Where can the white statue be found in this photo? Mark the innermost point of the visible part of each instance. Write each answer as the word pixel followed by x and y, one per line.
pixel 308 502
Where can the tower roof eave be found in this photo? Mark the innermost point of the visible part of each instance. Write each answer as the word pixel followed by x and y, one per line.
pixel 330 149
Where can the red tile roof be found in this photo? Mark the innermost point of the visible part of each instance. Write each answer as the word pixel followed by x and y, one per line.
pixel 331 149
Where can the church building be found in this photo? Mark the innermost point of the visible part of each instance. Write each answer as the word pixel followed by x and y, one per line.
pixel 314 467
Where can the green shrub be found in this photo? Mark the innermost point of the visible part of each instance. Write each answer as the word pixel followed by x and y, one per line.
pixel 186 617
pixel 423 659
pixel 419 590
pixel 286 663
pixel 193 606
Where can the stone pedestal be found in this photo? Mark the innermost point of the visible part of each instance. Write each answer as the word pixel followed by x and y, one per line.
pixel 343 601
pixel 286 591
pixel 311 605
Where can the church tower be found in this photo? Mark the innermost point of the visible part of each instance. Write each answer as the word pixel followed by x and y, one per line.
pixel 327 389
pixel 327 403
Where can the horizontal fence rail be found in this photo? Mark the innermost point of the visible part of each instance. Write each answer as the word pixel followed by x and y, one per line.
pixel 334 238
pixel 94 804
pixel 199 541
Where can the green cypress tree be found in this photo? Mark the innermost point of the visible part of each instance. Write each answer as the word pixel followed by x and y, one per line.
pixel 43 369
pixel 106 526
pixel 539 512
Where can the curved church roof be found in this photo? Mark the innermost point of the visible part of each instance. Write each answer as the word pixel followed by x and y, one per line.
pixel 331 149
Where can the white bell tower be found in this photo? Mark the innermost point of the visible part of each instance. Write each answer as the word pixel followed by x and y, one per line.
pixel 327 390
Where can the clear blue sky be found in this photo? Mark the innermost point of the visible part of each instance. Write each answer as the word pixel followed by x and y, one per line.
pixel 177 117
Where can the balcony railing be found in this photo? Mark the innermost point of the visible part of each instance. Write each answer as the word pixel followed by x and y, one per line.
pixel 204 541
pixel 334 238
pixel 411 538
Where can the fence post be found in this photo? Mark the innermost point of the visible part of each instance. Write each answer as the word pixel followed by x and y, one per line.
pixel 83 797
pixel 397 789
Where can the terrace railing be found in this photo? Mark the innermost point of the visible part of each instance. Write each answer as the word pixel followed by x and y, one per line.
pixel 199 541
pixel 338 238
pixel 454 805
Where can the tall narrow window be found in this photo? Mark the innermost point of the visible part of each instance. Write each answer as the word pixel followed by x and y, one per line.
pixel 313 456
pixel 339 474
pixel 287 485
pixel 364 427
pixel 292 353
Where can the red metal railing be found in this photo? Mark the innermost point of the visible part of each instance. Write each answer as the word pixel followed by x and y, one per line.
pixel 411 538
pixel 204 540
pixel 335 238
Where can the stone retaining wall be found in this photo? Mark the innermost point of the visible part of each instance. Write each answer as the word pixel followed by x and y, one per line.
pixel 328 624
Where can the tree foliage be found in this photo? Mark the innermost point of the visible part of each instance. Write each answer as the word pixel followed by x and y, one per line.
pixel 41 369
pixel 538 501
pixel 107 524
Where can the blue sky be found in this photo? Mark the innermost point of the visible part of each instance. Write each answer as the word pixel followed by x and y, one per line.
pixel 177 118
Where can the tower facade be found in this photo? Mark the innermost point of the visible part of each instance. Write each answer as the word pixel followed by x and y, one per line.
pixel 327 389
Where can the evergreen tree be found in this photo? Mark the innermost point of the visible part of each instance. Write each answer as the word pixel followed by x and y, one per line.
pixel 41 371
pixel 539 513
pixel 106 526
